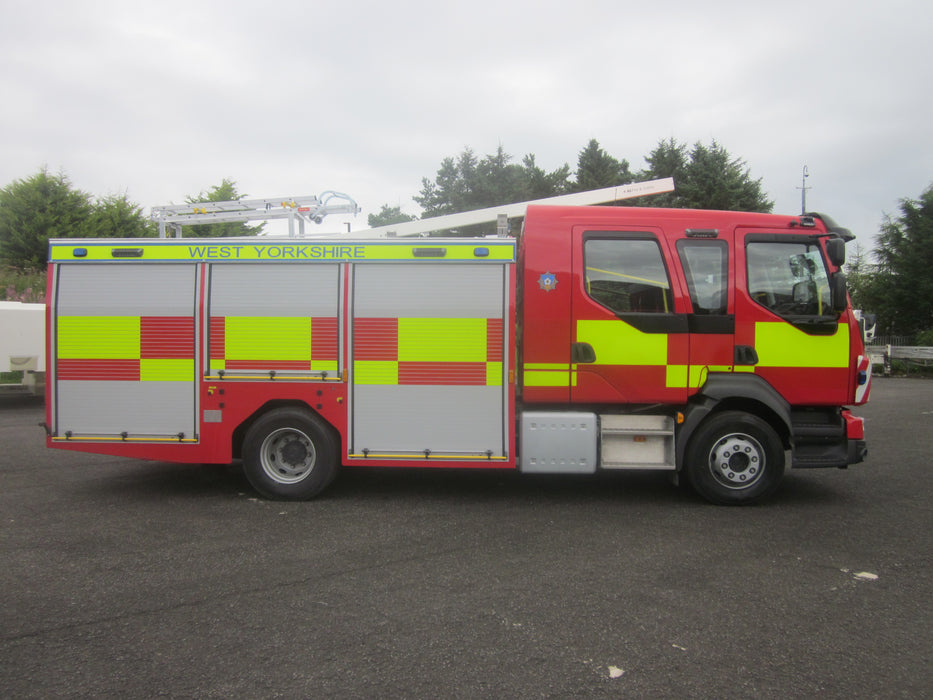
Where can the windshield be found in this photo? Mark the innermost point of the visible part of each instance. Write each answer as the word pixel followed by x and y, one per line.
pixel 789 278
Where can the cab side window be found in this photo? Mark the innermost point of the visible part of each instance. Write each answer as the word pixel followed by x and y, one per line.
pixel 627 275
pixel 790 278
pixel 706 267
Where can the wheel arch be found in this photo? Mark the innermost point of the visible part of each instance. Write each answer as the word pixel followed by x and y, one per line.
pixel 239 433
pixel 734 392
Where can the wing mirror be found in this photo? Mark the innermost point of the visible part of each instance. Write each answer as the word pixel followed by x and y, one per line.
pixel 838 291
pixel 836 249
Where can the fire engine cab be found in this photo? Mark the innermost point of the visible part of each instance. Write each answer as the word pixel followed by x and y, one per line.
pixel 716 345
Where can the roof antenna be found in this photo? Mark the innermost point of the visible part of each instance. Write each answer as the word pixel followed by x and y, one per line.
pixel 803 190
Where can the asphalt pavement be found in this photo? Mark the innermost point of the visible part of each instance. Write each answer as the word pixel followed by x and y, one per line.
pixel 123 578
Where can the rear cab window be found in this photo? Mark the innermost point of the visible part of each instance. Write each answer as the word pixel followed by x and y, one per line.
pixel 706 269
pixel 627 274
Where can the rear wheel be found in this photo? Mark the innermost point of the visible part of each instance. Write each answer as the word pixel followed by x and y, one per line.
pixel 735 458
pixel 289 454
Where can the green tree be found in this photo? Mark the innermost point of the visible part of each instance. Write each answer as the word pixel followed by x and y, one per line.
pixel 389 215
pixel 117 217
pixel 47 206
pixel 859 273
pixel 540 183
pixel 36 209
pixel 900 291
pixel 497 180
pixel 706 177
pixel 224 192
pixel 597 169
pixel 668 159
pixel 465 183
pixel 451 190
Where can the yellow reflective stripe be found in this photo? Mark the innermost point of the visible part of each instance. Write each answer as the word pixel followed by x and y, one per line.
pixel 386 372
pixel 220 252
pixel 545 374
pixel 128 438
pixel 375 372
pixel 617 343
pixel 265 338
pixel 536 378
pixel 166 370
pixel 324 365
pixel 782 345
pixel 677 376
pixel 218 364
pixel 442 340
pixel 98 337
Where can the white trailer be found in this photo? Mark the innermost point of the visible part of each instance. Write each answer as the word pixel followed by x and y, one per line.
pixel 22 345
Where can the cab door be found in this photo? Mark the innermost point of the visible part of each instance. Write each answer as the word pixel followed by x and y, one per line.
pixel 629 322
pixel 784 315
pixel 704 257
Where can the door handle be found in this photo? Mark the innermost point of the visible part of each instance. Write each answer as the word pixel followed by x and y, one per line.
pixel 582 353
pixel 745 355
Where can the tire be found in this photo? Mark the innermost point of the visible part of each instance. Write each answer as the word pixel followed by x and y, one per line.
pixel 289 454
pixel 734 458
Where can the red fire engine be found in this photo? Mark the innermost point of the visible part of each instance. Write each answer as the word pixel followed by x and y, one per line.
pixel 714 344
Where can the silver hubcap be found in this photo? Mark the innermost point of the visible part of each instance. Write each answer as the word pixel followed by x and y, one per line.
pixel 287 455
pixel 737 461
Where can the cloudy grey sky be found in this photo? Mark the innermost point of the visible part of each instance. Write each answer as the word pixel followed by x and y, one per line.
pixel 163 99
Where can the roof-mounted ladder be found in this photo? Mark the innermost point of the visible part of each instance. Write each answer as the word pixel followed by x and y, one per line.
pixel 296 209
pixel 502 213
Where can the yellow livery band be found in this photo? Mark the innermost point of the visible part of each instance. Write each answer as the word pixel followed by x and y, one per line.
pixel 201 251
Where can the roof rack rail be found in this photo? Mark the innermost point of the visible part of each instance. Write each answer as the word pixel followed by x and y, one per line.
pixel 310 209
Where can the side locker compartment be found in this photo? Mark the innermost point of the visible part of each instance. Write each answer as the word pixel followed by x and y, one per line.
pixel 276 318
pixel 124 347
pixel 428 364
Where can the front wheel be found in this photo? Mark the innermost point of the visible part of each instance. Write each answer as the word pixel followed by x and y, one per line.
pixel 735 458
pixel 289 455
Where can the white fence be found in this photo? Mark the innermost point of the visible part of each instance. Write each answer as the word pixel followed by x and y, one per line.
pixel 885 355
